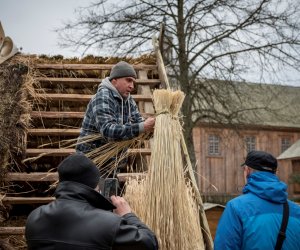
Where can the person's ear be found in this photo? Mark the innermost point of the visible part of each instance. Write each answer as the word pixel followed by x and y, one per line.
pixel 248 170
pixel 97 188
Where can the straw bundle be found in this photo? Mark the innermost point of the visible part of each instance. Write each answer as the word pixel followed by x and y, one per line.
pixel 169 207
pixel 109 156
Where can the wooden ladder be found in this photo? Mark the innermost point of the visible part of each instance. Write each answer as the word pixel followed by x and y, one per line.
pixel 65 90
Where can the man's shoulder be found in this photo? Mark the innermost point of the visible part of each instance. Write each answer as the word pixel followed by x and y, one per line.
pixel 103 91
pixel 103 95
pixel 295 206
pixel 103 216
pixel 242 200
pixel 38 213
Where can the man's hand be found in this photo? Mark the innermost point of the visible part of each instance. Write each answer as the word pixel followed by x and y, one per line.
pixel 149 124
pixel 122 207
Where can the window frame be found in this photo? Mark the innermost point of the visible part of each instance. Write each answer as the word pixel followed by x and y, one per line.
pixel 214 146
pixel 281 143
pixel 250 145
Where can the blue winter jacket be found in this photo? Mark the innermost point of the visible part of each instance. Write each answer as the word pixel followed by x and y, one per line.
pixel 253 220
pixel 109 114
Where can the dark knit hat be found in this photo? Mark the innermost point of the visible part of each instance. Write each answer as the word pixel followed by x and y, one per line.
pixel 77 167
pixel 122 69
pixel 261 160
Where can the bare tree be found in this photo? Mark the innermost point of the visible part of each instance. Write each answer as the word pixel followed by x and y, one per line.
pixel 210 39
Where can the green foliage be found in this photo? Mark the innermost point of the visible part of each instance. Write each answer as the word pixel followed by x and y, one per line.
pixel 294 178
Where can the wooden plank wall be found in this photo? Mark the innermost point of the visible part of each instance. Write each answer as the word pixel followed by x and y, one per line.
pixel 223 174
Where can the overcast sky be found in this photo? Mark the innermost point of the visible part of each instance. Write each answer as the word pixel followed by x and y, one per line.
pixel 31 25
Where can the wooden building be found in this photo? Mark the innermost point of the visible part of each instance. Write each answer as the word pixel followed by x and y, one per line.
pixel 220 149
pixel 290 159
pixel 213 213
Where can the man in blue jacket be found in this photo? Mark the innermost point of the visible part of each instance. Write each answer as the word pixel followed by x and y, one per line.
pixel 253 220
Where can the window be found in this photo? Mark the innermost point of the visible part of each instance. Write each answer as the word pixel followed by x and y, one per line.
pixel 214 145
pixel 250 142
pixel 285 144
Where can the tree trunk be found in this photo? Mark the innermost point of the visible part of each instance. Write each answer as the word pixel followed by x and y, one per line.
pixel 185 83
pixel 189 139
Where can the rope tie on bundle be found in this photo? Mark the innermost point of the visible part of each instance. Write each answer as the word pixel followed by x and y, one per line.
pixel 165 112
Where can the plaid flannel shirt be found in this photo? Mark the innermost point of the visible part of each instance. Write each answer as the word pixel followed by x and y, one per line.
pixel 112 116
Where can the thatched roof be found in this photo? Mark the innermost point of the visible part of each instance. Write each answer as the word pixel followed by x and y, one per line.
pixel 257 104
pixel 15 87
pixel 293 152
pixel 90 59
pixel 18 86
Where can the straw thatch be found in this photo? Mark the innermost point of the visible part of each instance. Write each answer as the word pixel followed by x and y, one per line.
pixel 17 94
pixel 16 90
pixel 165 200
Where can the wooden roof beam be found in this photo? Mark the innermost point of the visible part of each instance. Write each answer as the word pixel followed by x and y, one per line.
pixel 92 81
pixel 32 152
pixel 85 98
pixel 53 131
pixel 52 177
pixel 35 177
pixel 66 114
pixel 90 66
pixel 12 230
pixel 26 200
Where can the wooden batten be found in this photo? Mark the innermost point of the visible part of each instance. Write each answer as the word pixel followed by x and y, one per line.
pixel 53 131
pixel 27 200
pixel 56 115
pixel 12 230
pixel 77 81
pixel 85 98
pixel 35 177
pixel 90 66
pixel 31 152
pixel 52 177
pixel 66 114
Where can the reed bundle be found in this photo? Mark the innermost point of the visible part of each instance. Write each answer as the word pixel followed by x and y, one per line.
pixel 109 156
pixel 169 206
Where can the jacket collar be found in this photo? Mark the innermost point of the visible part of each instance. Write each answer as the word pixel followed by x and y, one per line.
pixel 266 186
pixel 76 191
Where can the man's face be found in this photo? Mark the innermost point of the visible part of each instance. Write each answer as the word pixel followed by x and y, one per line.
pixel 124 85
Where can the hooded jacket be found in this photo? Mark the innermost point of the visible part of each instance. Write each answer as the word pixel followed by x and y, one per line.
pixel 78 219
pixel 253 220
pixel 109 114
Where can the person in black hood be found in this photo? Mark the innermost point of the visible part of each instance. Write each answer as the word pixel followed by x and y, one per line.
pixel 81 218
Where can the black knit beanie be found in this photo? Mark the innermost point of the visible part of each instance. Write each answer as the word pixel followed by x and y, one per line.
pixel 122 69
pixel 77 167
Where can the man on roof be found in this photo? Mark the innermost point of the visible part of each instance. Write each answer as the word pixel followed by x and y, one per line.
pixel 112 112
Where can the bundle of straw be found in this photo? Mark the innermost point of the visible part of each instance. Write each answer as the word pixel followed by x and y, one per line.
pixel 169 207
pixel 108 156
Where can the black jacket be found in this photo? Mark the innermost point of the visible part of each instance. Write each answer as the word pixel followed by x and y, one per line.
pixel 78 219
